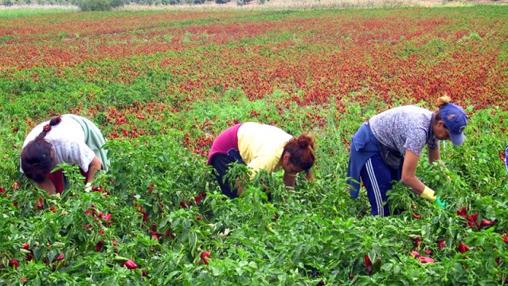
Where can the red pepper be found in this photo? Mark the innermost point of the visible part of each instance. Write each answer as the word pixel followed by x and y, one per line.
pixel 60 256
pixel 106 217
pixel 205 255
pixel 199 198
pixel 472 220
pixel 99 246
pixel 424 259
pixel 441 244
pixel 14 262
pixel 417 241
pixel 130 264
pixel 416 216
pixel 486 223
pixel 368 263
pixel 462 212
pixel 462 247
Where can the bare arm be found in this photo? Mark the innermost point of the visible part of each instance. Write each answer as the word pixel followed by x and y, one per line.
pixel 409 173
pixel 289 179
pixel 309 176
pixel 94 166
pixel 434 155
pixel 48 186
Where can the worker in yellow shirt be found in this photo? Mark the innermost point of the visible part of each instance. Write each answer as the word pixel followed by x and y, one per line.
pixel 260 147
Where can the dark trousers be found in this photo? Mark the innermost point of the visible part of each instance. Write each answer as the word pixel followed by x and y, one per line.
pixel 378 177
pixel 221 163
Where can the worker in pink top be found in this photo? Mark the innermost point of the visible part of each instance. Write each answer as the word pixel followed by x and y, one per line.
pixel 260 147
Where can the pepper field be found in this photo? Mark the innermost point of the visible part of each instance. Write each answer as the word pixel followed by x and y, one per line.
pixel 162 84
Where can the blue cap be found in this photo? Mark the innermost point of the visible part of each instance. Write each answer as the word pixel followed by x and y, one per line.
pixel 455 120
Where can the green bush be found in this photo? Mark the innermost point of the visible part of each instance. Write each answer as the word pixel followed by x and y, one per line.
pixel 98 5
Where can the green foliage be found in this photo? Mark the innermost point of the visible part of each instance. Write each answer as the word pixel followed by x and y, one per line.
pixel 150 208
pixel 98 5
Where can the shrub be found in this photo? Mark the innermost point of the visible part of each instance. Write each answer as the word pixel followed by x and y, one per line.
pixel 98 5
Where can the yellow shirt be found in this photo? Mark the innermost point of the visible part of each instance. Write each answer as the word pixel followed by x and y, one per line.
pixel 261 145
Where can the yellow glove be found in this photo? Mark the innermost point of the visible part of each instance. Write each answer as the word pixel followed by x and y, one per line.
pixel 428 194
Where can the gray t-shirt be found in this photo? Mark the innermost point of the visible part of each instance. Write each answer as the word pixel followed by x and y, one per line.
pixel 404 128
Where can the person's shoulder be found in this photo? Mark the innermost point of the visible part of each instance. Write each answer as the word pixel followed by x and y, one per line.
pixel 412 107
pixel 257 126
pixel 70 116
pixel 69 121
pixel 416 111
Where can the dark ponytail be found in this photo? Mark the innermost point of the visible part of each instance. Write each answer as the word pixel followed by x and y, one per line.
pixel 54 121
pixel 36 159
pixel 301 150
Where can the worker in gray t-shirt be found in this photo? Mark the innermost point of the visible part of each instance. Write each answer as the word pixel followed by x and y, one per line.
pixel 503 155
pixel 387 148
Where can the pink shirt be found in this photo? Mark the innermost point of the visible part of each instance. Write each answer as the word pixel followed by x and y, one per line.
pixel 226 141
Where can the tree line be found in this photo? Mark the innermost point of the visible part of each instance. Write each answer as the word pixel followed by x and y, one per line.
pixel 104 5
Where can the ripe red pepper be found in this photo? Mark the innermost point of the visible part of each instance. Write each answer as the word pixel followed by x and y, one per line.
pixel 205 255
pixel 424 259
pixel 441 244
pixel 472 220
pixel 462 212
pixel 155 235
pixel 486 223
pixel 107 217
pixel 145 216
pixel 368 263
pixel 416 216
pixel 417 241
pixel 99 246
pixel 60 257
pixel 13 262
pixel 199 198
pixel 462 247
pixel 130 264
pixel 26 246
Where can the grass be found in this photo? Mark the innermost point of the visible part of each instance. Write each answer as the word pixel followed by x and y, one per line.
pixel 32 10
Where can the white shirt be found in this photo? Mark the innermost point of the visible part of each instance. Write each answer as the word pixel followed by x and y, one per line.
pixel 68 140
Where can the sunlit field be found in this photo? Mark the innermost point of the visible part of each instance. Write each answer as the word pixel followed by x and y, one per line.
pixel 161 85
